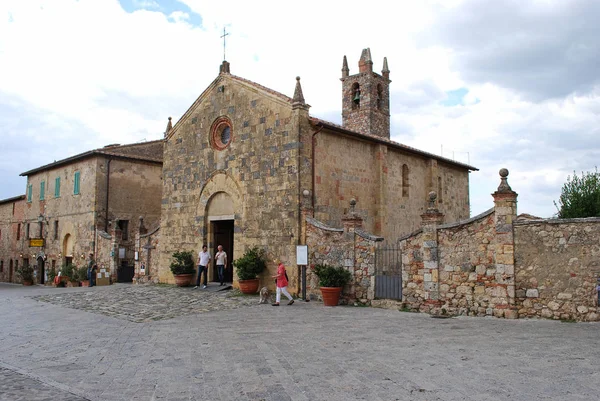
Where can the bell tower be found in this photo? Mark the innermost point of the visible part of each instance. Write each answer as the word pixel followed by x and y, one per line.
pixel 366 97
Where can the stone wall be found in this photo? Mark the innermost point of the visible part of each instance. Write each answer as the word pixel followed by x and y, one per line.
pixel 12 245
pixel 558 265
pixel 349 247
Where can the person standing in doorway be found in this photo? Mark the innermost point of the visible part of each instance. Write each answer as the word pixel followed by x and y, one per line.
pixel 203 260
pixel 282 283
pixel 221 260
pixel 91 265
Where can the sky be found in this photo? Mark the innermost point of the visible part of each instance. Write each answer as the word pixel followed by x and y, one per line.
pixel 494 84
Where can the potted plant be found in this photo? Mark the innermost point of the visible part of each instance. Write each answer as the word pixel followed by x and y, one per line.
pixel 248 267
pixel 332 281
pixel 183 268
pixel 26 274
pixel 82 276
pixel 68 273
pixel 51 277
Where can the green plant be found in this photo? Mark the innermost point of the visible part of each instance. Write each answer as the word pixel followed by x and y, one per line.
pixel 580 196
pixel 330 276
pixel 68 271
pixel 51 274
pixel 183 263
pixel 25 272
pixel 81 273
pixel 251 264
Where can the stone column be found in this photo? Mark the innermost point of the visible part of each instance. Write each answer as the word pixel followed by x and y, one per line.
pixel 429 222
pixel 505 208
pixel 351 222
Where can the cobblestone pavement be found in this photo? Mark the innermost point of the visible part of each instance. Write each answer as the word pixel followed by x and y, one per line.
pixel 138 303
pixel 16 387
pixel 301 352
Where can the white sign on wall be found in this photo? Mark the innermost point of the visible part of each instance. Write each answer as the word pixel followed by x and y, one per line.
pixel 301 255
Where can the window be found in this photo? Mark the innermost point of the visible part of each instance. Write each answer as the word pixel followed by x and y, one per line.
pixel 379 97
pixel 1 266
pixel 57 187
pixel 124 227
pixel 55 229
pixel 42 189
pixel 18 231
pixel 76 183
pixel 27 231
pixel 221 133
pixel 29 191
pixel 440 195
pixel 0 235
pixel 405 183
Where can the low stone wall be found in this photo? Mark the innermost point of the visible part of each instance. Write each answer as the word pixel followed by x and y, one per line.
pixel 558 264
pixel 347 247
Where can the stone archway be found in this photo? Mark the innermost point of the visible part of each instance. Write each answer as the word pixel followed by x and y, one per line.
pixel 221 212
pixel 68 244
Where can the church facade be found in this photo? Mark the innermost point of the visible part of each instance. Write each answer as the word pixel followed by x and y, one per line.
pixel 245 165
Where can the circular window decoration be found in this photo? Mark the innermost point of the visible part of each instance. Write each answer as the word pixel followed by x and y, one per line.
pixel 221 133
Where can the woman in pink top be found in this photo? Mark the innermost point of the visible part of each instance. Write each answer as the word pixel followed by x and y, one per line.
pixel 282 283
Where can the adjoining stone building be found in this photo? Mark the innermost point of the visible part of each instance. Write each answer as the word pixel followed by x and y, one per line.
pixel 12 248
pixel 88 203
pixel 245 165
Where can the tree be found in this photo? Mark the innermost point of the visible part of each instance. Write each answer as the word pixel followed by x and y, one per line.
pixel 580 196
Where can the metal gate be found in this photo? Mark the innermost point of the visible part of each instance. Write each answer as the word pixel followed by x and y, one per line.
pixel 388 271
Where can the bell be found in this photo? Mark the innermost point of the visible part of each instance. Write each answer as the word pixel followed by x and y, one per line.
pixel 356 98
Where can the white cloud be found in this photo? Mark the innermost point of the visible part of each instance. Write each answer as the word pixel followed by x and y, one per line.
pixel 88 73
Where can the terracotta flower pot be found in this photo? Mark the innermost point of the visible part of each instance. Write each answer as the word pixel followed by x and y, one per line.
pixel 331 295
pixel 27 282
pixel 183 280
pixel 249 286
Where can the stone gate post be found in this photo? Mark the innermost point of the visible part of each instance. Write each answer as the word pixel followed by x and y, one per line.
pixel 429 222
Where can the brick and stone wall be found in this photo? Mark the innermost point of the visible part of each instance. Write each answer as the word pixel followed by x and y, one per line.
pixel 11 220
pixel 558 265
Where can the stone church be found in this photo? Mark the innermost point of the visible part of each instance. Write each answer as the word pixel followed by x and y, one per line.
pixel 245 165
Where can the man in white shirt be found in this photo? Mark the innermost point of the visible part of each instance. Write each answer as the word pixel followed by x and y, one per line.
pixel 203 260
pixel 221 260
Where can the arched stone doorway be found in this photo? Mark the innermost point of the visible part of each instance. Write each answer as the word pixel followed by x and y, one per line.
pixel 68 249
pixel 220 218
pixel 41 270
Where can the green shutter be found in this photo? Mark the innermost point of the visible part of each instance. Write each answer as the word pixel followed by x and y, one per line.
pixel 29 191
pixel 76 184
pixel 42 189
pixel 57 187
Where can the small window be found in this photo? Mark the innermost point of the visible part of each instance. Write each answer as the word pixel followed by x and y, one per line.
pixel 124 227
pixel 57 187
pixel 221 133
pixel 27 231
pixel 1 266
pixel 405 183
pixel 29 192
pixel 42 189
pixel 440 194
pixel 76 183
pixel 18 231
pixel 0 235
pixel 55 229
pixel 379 97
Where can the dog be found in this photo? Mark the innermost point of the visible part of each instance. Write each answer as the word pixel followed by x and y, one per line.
pixel 265 296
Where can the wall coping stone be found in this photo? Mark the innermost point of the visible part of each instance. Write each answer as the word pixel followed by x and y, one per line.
pixel 467 221
pixel 104 234
pixel 150 233
pixel 368 236
pixel 407 236
pixel 322 226
pixel 557 221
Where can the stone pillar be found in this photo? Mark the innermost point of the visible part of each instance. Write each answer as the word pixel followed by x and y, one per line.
pixel 351 220
pixel 429 222
pixel 505 208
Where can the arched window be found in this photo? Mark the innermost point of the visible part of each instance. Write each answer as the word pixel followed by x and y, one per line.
pixel 379 97
pixel 356 96
pixel 405 183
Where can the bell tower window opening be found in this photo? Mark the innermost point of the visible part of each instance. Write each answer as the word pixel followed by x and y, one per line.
pixel 355 96
pixel 379 97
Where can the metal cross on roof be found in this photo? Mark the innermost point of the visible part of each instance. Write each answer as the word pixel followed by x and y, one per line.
pixel 223 36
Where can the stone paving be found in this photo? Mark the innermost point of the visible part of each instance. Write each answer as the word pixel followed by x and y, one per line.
pixel 301 352
pixel 145 303
pixel 16 387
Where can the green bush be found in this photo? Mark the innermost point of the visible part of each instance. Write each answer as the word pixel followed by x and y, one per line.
pixel 183 263
pixel 251 264
pixel 81 273
pixel 51 274
pixel 69 271
pixel 330 276
pixel 25 272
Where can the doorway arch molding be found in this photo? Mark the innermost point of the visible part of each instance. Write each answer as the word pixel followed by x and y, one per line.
pixel 219 181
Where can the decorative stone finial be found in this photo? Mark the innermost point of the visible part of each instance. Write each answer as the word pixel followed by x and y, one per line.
pixel 352 205
pixel 432 197
pixel 345 69
pixel 224 68
pixel 169 127
pixel 504 187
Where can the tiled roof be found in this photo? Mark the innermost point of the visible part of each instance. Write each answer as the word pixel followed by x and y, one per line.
pixel 13 199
